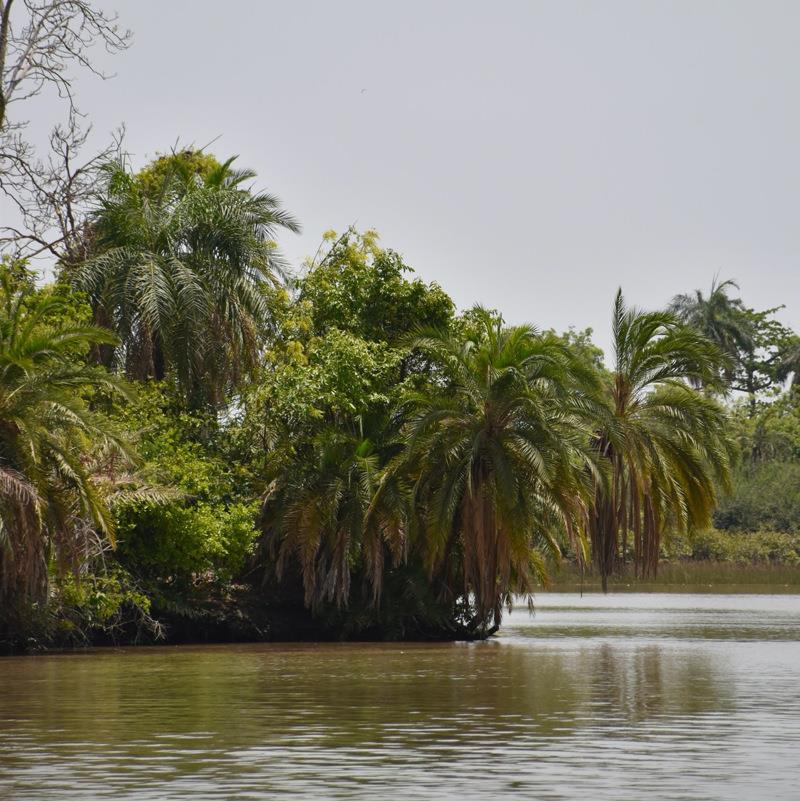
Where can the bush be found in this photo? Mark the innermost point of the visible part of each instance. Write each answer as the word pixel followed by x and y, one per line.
pixel 206 531
pixel 744 548
pixel 763 496
pixel 179 543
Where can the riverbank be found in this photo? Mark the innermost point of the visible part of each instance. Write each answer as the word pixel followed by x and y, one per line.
pixel 245 616
pixel 687 576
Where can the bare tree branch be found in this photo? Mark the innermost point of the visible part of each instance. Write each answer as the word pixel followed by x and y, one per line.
pixel 53 36
pixel 53 194
pixel 41 41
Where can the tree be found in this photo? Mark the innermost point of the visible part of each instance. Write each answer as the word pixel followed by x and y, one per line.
pixel 359 287
pixel 666 444
pixel 200 533
pixel 50 504
pixel 326 512
pixel 580 342
pixel 182 273
pixel 498 456
pixel 41 41
pixel 319 421
pixel 759 350
pixel 719 317
pixel 762 365
pixel 789 364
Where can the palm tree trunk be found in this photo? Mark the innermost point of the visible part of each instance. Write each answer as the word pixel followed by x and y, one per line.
pixel 102 354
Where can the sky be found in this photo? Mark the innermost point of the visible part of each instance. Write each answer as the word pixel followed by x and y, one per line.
pixel 530 156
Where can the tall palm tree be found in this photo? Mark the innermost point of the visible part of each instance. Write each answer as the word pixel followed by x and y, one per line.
pixel 184 263
pixel 50 507
pixel 719 317
pixel 499 459
pixel 665 442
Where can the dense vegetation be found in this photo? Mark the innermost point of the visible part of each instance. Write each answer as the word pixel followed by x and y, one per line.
pixel 198 441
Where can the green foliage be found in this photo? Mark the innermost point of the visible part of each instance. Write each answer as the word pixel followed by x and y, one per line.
pixel 361 288
pixel 327 379
pixel 720 318
pixel 320 415
pixel 341 350
pixel 751 548
pixel 179 543
pixel 182 272
pixel 206 531
pixel 325 512
pixel 582 345
pixel 762 496
pixel 758 366
pixel 186 166
pixel 771 431
pixel 666 444
pixel 497 455
pixel 105 602
pixel 760 352
pixel 765 492
pixel 52 508
pixel 400 469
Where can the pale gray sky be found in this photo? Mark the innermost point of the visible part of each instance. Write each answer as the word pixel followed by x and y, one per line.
pixel 528 155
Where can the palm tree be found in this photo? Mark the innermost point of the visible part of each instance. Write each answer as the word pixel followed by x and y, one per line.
pixel 185 261
pixel 499 459
pixel 50 507
pixel 665 442
pixel 718 317
pixel 330 513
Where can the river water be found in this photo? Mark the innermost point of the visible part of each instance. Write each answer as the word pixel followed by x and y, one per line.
pixel 629 696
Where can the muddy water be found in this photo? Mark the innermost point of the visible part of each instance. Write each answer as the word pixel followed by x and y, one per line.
pixel 623 697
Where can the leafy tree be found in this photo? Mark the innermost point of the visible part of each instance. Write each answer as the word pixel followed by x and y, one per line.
pixel 204 530
pixel 666 443
pixel 317 422
pixel 763 497
pixel 362 288
pixel 331 360
pixel 185 261
pixel 51 507
pixel 580 342
pixel 498 456
pixel 772 433
pixel 761 366
pixel 764 493
pixel 761 352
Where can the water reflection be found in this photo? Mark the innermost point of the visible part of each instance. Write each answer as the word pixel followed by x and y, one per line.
pixel 557 707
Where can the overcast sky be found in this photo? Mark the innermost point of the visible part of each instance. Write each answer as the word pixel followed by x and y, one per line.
pixel 531 156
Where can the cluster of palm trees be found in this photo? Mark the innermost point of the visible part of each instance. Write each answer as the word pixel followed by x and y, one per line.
pixel 515 448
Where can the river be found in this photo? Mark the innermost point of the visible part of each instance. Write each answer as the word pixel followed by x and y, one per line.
pixel 624 697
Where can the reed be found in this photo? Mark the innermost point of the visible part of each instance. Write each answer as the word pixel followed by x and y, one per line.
pixel 686 575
